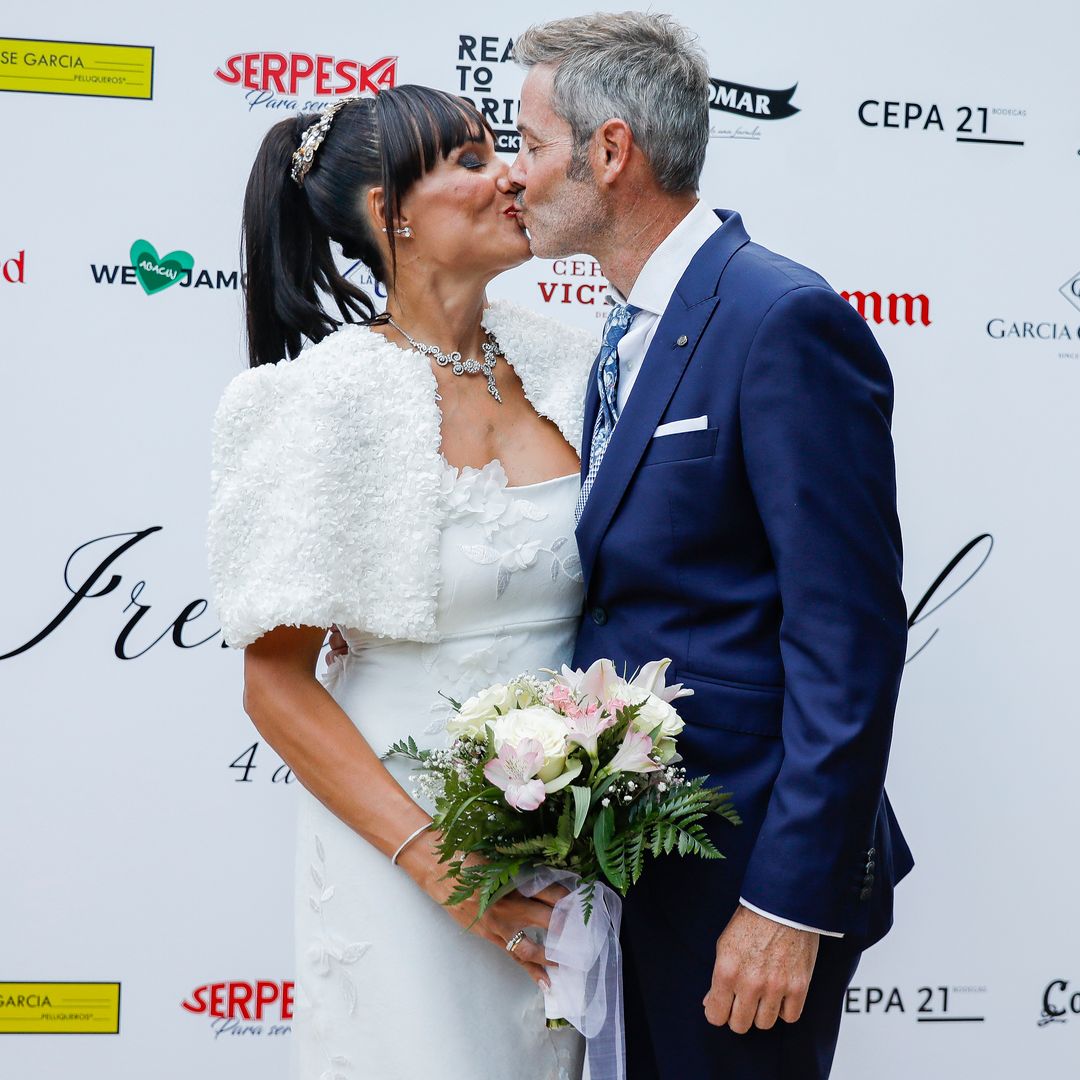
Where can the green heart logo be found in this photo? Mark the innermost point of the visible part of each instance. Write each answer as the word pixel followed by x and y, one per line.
pixel 154 272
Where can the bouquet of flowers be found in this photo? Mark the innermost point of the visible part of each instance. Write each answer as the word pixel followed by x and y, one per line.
pixel 571 780
pixel 577 772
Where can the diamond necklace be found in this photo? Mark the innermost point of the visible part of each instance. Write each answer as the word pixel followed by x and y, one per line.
pixel 485 367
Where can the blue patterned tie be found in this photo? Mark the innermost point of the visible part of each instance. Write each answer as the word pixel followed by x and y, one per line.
pixel 607 383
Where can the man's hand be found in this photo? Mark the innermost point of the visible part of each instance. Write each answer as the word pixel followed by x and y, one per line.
pixel 338 646
pixel 762 971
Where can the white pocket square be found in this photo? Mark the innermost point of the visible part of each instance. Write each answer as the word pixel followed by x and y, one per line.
pixel 695 423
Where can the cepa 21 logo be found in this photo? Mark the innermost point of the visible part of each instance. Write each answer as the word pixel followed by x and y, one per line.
pixel 244 1008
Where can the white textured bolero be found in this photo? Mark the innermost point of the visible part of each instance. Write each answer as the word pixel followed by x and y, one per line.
pixel 326 476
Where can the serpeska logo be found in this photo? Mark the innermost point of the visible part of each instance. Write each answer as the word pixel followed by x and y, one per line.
pixel 971 124
pixel 892 308
pixel 276 79
pixel 1002 329
pixel 13 271
pixel 478 55
pixel 229 1004
pixel 1058 1003
pixel 157 272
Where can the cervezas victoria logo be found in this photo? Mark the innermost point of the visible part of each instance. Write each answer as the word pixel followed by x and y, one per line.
pixel 304 81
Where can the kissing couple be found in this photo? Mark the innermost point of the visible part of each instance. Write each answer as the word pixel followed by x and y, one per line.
pixel 469 490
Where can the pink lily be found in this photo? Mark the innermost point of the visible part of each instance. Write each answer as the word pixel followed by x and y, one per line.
pixel 590 683
pixel 513 770
pixel 633 755
pixel 584 726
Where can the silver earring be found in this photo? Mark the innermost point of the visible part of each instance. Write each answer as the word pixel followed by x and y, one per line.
pixel 407 231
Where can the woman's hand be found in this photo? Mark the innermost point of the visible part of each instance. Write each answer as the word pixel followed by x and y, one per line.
pixel 501 921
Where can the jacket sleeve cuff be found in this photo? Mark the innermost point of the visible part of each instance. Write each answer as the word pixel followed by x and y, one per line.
pixel 788 922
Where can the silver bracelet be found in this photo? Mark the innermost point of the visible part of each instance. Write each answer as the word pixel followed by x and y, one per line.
pixel 409 840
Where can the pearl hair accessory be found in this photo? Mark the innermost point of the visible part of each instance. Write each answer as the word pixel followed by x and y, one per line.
pixel 304 156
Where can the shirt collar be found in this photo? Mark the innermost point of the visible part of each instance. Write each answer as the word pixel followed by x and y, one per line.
pixel 665 267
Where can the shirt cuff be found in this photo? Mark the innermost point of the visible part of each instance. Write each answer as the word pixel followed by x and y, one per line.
pixel 788 922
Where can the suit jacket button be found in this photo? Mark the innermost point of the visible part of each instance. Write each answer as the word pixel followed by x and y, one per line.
pixel 682 339
pixel 866 893
pixel 599 616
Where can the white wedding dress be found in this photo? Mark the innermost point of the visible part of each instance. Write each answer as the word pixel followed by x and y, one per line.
pixel 388 986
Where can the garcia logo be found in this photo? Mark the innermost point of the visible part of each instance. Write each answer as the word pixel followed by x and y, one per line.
pixel 13 270
pixel 1005 329
pixel 892 308
pixel 229 1003
pixel 64 1008
pixel 272 77
pixel 1070 290
pixel 156 272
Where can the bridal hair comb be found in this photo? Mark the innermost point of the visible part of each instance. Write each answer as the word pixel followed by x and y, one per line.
pixel 304 156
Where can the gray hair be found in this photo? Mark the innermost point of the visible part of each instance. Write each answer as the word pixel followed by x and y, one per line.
pixel 645 69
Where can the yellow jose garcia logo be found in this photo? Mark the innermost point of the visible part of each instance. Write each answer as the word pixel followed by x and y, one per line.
pixel 30 65
pixel 66 1008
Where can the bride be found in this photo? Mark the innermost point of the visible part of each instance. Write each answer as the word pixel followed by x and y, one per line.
pixel 425 506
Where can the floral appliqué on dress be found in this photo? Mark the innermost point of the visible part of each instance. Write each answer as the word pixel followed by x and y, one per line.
pixel 483 494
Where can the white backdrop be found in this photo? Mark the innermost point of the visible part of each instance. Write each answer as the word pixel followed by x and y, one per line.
pixel 133 853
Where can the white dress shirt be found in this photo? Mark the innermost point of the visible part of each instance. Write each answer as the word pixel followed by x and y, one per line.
pixel 652 293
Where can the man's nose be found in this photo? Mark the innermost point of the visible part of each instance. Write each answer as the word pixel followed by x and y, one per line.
pixel 514 180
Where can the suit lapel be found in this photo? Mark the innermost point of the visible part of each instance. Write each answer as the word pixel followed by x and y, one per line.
pixel 672 349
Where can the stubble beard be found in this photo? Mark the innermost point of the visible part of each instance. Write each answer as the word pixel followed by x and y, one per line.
pixel 570 223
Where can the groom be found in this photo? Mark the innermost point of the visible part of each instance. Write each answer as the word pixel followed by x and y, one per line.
pixel 737 515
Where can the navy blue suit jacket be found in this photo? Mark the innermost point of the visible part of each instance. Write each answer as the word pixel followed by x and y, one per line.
pixel 762 554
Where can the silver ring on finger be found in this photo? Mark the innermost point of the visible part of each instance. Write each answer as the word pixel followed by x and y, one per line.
pixel 515 941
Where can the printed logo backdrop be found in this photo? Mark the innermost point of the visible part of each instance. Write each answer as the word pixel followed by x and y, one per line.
pixel 922 159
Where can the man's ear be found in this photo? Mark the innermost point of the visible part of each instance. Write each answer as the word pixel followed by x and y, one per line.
pixel 613 144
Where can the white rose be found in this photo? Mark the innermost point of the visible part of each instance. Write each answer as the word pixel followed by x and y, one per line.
pixel 482 709
pixel 542 724
pixel 655 712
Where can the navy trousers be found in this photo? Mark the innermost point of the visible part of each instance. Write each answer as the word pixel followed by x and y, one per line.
pixel 668 1037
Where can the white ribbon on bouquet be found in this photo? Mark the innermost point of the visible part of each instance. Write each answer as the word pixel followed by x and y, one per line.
pixel 586 987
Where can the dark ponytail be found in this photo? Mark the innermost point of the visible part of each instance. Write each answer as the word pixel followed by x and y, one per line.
pixel 388 141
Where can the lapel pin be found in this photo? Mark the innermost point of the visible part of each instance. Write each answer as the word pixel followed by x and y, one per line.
pixel 681 340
